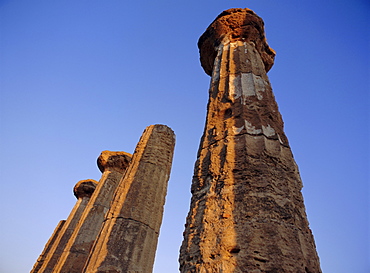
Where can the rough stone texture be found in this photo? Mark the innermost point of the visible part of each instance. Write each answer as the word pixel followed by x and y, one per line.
pixel 83 191
pixel 128 239
pixel 113 161
pixel 230 26
pixel 75 254
pixel 247 212
pixel 41 259
pixel 84 188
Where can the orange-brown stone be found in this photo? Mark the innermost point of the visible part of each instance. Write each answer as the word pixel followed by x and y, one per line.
pixel 116 161
pixel 84 188
pixel 234 25
pixel 247 212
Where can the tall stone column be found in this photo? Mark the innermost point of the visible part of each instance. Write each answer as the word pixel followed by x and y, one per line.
pixel 75 254
pixel 83 191
pixel 48 246
pixel 247 212
pixel 128 239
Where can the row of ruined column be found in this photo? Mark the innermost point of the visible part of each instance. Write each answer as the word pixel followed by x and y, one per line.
pixel 114 225
pixel 247 212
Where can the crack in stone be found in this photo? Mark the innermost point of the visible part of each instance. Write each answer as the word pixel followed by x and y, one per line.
pixel 137 221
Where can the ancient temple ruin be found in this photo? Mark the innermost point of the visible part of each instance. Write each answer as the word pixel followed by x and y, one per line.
pixel 119 216
pixel 247 212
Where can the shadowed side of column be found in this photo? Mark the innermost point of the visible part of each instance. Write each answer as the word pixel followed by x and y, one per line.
pixel 75 254
pixel 48 246
pixel 128 239
pixel 83 191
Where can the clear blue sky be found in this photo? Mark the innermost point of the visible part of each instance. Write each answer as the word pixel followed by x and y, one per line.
pixel 80 77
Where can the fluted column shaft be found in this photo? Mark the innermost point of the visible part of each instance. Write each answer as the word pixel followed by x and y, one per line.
pixel 82 191
pixel 76 252
pixel 41 259
pixel 128 239
pixel 247 212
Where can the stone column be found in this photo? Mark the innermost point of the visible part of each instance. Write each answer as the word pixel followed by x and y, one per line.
pixel 83 191
pixel 247 212
pixel 75 254
pixel 48 246
pixel 128 239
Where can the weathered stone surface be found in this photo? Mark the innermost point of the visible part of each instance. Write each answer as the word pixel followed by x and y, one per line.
pixel 84 188
pixel 230 26
pixel 247 212
pixel 114 161
pixel 128 239
pixel 75 254
pixel 83 191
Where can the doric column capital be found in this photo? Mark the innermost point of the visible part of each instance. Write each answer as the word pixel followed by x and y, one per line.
pixel 234 25
pixel 84 188
pixel 115 161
